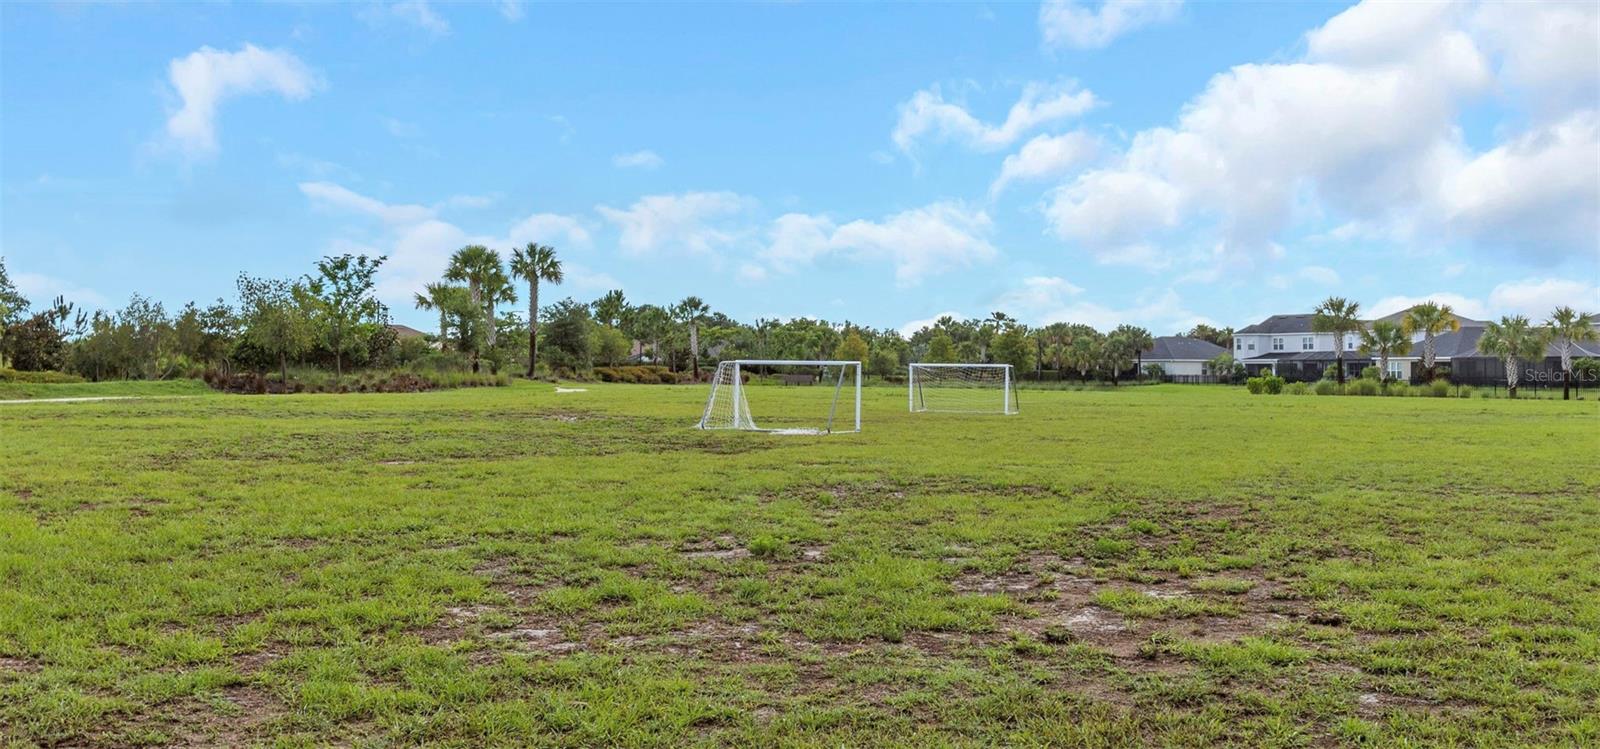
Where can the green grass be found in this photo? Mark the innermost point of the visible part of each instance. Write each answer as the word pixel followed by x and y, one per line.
pixel 142 388
pixel 1170 565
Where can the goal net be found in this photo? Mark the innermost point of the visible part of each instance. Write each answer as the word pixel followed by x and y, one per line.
pixel 963 388
pixel 784 396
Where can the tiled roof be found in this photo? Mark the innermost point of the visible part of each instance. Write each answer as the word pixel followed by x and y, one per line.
pixel 1182 348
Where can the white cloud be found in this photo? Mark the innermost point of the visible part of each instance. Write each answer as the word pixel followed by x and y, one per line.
pixel 465 201
pixel 912 326
pixel 416 13
pixel 511 10
pixel 1537 297
pixel 1042 300
pixel 1548 49
pixel 926 115
pixel 1538 193
pixel 207 77
pixel 1363 130
pixel 1067 23
pixel 920 242
pixel 41 290
pixel 694 221
pixel 580 277
pixel 637 160
pixel 330 195
pixel 549 228
pixel 1462 305
pixel 1316 275
pixel 1046 156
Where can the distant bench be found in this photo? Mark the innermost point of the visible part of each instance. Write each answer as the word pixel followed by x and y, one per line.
pixel 797 379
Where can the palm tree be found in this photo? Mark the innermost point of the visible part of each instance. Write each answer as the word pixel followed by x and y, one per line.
pixel 611 308
pixel 487 285
pixel 1338 316
pixel 1513 339
pixel 1430 319
pixel 1385 339
pixel 442 297
pixel 1568 327
pixel 535 263
pixel 1137 339
pixel 690 312
pixel 1083 354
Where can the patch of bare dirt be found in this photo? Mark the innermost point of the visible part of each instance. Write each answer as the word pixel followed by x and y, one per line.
pixel 11 666
pixel 721 547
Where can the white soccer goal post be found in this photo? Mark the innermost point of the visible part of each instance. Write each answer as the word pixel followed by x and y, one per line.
pixel 962 388
pixel 789 396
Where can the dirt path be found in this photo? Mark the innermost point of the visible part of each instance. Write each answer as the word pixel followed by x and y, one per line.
pixel 91 398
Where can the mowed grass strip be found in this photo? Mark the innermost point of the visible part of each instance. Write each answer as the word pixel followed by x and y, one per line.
pixel 1167 565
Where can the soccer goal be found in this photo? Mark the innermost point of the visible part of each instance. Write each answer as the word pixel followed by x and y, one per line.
pixel 784 396
pixel 962 388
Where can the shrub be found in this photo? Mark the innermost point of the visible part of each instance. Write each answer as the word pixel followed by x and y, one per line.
pixel 1372 373
pixel 1467 391
pixel 1364 386
pixel 1256 385
pixel 649 374
pixel 1326 386
pixel 1297 388
pixel 1439 388
pixel 46 377
pixel 1273 384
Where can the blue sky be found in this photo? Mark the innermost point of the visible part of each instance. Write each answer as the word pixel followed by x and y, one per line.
pixel 1142 161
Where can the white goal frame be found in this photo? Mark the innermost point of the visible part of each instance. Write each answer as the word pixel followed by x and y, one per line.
pixel 743 420
pixel 1008 389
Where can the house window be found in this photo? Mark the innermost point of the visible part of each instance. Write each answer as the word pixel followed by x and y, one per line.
pixel 1277 344
pixel 1252 345
pixel 1308 343
pixel 1349 344
pixel 1396 370
pixel 1238 345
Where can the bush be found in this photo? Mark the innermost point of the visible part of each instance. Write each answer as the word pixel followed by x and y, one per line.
pixel 1372 373
pixel 1273 384
pixel 1297 388
pixel 1364 386
pixel 1326 387
pixel 47 377
pixel 1439 388
pixel 1255 385
pixel 644 374
pixel 1467 391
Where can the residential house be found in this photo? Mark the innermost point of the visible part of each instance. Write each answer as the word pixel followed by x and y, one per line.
pixel 1285 345
pixel 1183 359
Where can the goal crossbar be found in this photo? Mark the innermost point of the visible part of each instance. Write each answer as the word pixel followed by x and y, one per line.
pixel 961 388
pixel 727 406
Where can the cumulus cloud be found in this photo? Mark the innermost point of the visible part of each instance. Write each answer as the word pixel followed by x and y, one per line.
pixel 1537 297
pixel 549 228
pixel 919 242
pixel 694 221
pixel 928 116
pixel 1046 156
pixel 637 160
pixel 416 13
pixel 206 77
pixel 1068 23
pixel 1364 130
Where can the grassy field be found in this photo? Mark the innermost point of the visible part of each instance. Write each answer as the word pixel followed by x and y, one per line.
pixel 1168 565
pixel 27 391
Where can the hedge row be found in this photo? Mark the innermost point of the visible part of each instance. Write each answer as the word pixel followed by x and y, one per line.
pixel 1274 385
pixel 644 374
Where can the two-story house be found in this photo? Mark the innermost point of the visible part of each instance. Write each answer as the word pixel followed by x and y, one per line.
pixel 1285 345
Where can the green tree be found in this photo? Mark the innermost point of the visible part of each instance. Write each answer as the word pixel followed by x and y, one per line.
pixel 1430 319
pixel 883 361
pixel 341 292
pixel 274 321
pixel 1221 336
pixel 611 308
pixel 480 268
pixel 610 345
pixel 1340 317
pixel 1512 340
pixel 1084 353
pixel 1137 340
pixel 442 298
pixel 13 308
pixel 941 350
pixel 650 323
pixel 1383 340
pixel 1118 351
pixel 1012 346
pixel 689 313
pixel 567 333
pixel 1568 327
pixel 852 348
pixel 535 263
